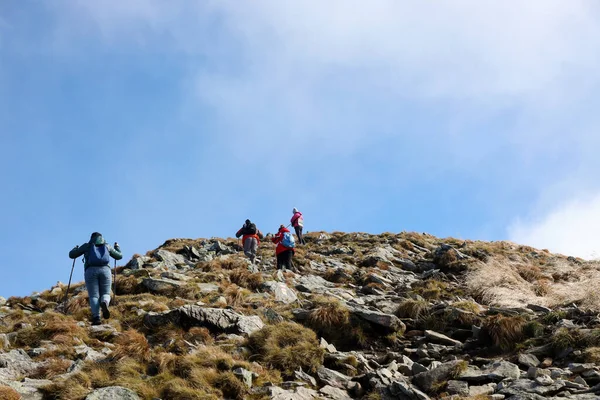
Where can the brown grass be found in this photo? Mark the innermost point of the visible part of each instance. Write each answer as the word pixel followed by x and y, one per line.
pixel 505 332
pixel 415 309
pixel 244 278
pixel 8 393
pixel 51 368
pixel 132 344
pixel 287 346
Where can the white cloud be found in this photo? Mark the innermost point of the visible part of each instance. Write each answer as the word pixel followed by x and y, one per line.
pixel 573 228
pixel 307 70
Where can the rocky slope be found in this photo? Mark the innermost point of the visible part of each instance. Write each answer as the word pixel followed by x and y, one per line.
pixel 390 316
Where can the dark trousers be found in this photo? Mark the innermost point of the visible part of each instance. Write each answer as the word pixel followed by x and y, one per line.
pixel 299 234
pixel 284 260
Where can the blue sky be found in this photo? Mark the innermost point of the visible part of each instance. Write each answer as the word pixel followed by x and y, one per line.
pixel 152 120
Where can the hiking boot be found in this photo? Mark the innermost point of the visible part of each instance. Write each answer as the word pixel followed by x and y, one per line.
pixel 96 321
pixel 105 312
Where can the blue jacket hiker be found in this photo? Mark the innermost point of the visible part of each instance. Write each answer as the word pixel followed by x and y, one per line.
pixel 98 279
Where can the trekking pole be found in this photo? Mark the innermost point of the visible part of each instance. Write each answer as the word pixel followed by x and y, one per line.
pixel 69 285
pixel 115 284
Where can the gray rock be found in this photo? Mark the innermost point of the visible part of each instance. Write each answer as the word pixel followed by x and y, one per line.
pixel 334 393
pixel 495 371
pixel 480 390
pixel 244 375
pixel 327 346
pixel 333 378
pixel 112 393
pixel 544 380
pixel 87 353
pixel 528 360
pixel 403 390
pixel 280 291
pixel 2 301
pixel 138 262
pixel 216 319
pixel 301 393
pixel 312 284
pixel 29 389
pixel 578 368
pixel 161 285
pixel 417 368
pixel 16 363
pixel 540 309
pixel 303 376
pixel 458 387
pixel 440 338
pixel 175 276
pixel 427 380
pixel 520 386
pixel 388 321
pixel 171 260
pixel 208 288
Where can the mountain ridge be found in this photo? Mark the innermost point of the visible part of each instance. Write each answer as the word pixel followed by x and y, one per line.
pixel 367 316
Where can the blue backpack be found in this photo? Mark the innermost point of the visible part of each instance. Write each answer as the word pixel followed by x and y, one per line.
pixel 98 256
pixel 288 240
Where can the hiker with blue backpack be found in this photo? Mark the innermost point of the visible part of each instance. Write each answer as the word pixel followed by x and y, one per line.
pixel 285 248
pixel 98 277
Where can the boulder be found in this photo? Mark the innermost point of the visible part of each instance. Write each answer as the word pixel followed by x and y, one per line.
pixel 138 262
pixel 334 393
pixel 333 378
pixel 215 319
pixel 16 363
pixel 29 389
pixel 387 321
pixel 161 285
pixel 208 288
pixel 494 372
pixel 171 260
pixel 528 360
pixel 280 291
pixel 457 387
pixel 442 339
pixel 312 284
pixel 429 379
pixel 112 393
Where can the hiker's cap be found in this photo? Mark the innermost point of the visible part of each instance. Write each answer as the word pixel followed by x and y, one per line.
pixel 295 210
pixel 248 222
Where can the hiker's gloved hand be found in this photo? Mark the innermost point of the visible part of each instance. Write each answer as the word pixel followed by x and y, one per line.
pixel 116 245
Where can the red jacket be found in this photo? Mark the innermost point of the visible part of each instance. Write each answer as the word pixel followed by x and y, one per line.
pixel 258 235
pixel 277 240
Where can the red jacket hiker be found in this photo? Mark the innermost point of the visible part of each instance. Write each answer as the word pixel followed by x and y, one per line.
pixel 278 238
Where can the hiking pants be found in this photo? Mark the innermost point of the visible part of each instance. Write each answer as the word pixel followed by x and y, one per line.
pixel 284 260
pixel 98 281
pixel 299 234
pixel 250 248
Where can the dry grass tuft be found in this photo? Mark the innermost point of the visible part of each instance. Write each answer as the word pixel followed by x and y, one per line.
pixel 8 393
pixel 246 279
pixel 231 386
pixel 415 309
pixel 287 346
pixel 132 344
pixel 51 368
pixel 431 289
pixel 505 332
pixel 515 281
pixel 229 263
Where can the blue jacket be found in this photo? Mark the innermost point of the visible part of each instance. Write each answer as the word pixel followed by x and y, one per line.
pixel 83 249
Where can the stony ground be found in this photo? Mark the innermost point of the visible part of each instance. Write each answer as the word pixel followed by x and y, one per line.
pixel 390 316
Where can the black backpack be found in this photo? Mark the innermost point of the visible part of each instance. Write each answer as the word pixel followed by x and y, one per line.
pixel 251 229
